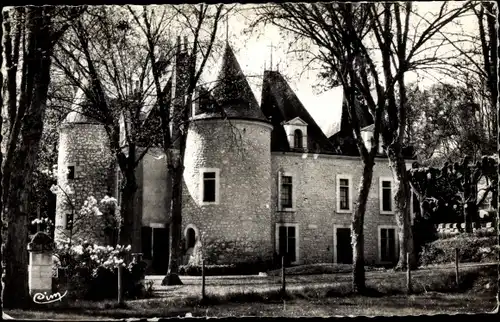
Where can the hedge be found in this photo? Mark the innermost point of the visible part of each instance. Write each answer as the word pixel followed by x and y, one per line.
pixel 471 249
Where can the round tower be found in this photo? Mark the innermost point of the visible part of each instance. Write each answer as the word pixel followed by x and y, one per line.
pixel 85 169
pixel 227 193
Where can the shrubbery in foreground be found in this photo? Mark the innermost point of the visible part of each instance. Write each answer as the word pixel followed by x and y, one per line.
pixel 471 249
pixel 89 271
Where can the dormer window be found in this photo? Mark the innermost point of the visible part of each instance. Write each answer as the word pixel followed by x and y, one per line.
pixel 296 131
pixel 298 139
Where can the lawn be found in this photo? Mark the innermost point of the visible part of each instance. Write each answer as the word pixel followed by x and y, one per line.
pixel 435 292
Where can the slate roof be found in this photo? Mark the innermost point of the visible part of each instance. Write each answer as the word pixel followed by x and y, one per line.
pixel 343 140
pixel 280 104
pixel 232 93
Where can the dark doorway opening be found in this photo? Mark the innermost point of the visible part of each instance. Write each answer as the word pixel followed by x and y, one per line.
pixel 344 247
pixel 190 238
pixel 287 244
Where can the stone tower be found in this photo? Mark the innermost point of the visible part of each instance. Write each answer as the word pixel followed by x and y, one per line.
pixel 85 168
pixel 227 193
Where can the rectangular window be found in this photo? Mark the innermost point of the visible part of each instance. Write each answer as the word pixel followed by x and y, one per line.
pixel 209 186
pixel 147 242
pixel 388 245
pixel 344 194
pixel 71 172
pixel 69 221
pixel 287 243
pixel 286 192
pixel 386 196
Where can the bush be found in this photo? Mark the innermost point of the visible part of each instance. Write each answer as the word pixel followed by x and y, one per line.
pixel 471 249
pixel 228 269
pixel 91 272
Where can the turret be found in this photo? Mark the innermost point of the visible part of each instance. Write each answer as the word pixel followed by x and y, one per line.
pixel 84 169
pixel 228 172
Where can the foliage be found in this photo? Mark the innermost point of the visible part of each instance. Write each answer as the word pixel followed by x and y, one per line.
pixel 455 188
pixel 471 249
pixel 89 270
pixel 446 122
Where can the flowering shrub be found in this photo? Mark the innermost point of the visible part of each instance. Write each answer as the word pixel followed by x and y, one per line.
pixel 44 223
pixel 89 270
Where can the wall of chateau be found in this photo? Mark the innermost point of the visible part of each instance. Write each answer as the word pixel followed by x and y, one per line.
pixel 314 184
pixel 238 228
pixel 84 146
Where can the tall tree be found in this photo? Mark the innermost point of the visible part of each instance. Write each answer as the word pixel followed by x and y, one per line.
pixel 29 37
pixel 337 29
pixel 200 23
pixel 389 48
pixel 446 124
pixel 104 57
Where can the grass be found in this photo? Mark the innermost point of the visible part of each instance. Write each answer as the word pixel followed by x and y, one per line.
pixel 434 291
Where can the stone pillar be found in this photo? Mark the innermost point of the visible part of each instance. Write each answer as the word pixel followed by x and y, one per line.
pixel 40 263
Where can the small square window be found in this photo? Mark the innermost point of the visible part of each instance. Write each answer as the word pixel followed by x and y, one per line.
pixel 69 221
pixel 71 172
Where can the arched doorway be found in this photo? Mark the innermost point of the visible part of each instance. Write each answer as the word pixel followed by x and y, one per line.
pixel 191 236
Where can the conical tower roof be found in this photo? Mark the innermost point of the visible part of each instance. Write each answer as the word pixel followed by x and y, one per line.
pixel 232 92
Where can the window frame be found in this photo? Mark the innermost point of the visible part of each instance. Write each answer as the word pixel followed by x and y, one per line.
pixel 349 197
pixel 298 139
pixel 297 239
pixel 379 244
pixel 282 174
pixel 69 216
pixel 381 196
pixel 202 171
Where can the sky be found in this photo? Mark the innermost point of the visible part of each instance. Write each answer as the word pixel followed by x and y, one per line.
pixel 255 51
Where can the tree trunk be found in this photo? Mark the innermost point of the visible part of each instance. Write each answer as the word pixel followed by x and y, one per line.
pixel 2 230
pixel 128 227
pixel 16 293
pixel 357 238
pixel 470 214
pixel 402 201
pixel 177 171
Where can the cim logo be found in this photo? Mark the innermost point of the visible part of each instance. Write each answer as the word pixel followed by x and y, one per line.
pixel 40 298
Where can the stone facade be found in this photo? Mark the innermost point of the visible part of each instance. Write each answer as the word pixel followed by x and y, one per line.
pixel 315 205
pixel 237 153
pixel 239 222
pixel 82 145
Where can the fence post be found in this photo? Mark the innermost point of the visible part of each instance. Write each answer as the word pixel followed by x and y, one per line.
pixel 408 273
pixel 120 286
pixel 283 289
pixel 457 276
pixel 203 280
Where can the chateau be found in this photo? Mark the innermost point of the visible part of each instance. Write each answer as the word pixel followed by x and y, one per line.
pixel 260 180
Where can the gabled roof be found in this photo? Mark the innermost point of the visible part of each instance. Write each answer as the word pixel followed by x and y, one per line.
pixel 296 121
pixel 232 93
pixel 280 104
